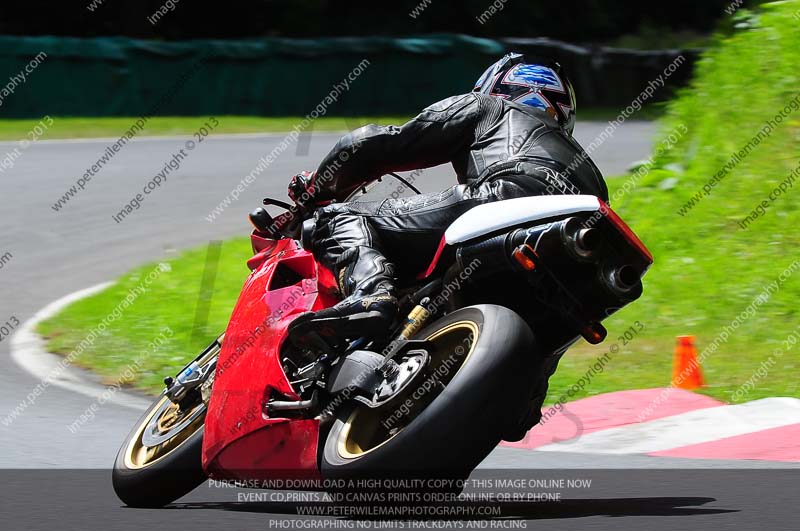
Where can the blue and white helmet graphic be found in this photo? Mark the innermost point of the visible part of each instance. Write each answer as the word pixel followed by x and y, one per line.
pixel 544 86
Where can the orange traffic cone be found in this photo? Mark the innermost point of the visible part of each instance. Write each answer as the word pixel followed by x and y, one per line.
pixel 686 371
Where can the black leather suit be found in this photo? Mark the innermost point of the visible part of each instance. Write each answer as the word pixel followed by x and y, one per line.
pixel 499 150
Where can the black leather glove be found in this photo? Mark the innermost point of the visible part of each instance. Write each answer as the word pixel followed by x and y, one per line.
pixel 302 191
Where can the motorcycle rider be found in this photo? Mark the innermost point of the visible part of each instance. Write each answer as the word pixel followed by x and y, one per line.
pixel 510 137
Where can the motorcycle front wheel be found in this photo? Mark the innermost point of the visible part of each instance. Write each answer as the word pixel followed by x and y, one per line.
pixel 161 458
pixel 476 386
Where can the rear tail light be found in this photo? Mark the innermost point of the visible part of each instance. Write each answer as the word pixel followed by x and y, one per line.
pixel 625 231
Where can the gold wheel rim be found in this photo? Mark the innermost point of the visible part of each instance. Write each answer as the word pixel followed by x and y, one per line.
pixel 138 455
pixel 359 432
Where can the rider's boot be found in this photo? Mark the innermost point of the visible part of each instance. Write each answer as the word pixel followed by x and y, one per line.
pixel 369 309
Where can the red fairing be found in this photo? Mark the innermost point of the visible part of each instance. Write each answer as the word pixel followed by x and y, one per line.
pixel 239 439
pixel 281 450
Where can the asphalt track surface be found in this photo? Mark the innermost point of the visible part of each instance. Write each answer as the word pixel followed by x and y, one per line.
pixel 56 253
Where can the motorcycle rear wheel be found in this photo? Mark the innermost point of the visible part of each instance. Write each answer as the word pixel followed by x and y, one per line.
pixel 481 393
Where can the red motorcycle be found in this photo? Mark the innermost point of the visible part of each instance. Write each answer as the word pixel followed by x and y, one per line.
pixel 511 287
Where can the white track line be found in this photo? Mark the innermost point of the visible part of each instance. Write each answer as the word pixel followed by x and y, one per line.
pixel 28 351
pixel 694 427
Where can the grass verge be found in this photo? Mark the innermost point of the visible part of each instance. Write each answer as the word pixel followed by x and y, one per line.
pixel 113 127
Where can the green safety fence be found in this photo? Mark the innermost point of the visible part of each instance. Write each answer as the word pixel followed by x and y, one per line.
pixel 116 76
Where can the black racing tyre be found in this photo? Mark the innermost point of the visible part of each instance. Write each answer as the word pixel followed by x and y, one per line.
pixel 153 476
pixel 161 458
pixel 482 394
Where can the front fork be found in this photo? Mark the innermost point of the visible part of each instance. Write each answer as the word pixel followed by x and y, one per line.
pixel 194 382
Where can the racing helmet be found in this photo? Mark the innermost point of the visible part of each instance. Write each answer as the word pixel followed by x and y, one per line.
pixel 544 86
